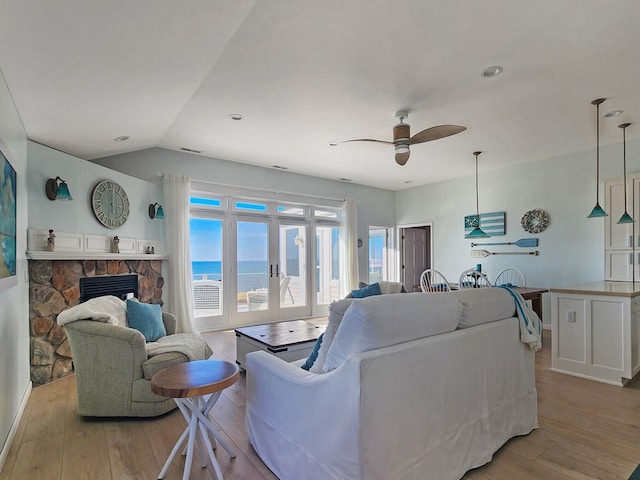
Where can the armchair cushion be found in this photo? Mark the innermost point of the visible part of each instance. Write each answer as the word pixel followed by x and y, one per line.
pixel 146 318
pixel 163 360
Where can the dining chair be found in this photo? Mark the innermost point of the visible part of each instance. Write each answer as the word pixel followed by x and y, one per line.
pixel 510 277
pixel 433 281
pixel 472 278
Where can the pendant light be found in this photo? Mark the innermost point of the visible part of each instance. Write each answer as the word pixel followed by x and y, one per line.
pixel 625 218
pixel 477 232
pixel 597 211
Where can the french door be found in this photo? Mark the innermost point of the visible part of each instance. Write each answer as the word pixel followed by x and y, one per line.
pixel 252 269
pixel 270 279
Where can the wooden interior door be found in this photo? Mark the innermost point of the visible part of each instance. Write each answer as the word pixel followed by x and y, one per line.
pixel 416 255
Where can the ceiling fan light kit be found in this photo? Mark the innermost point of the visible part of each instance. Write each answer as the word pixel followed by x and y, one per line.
pixel 402 139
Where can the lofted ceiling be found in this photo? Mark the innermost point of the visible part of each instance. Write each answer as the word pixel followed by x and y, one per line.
pixel 304 74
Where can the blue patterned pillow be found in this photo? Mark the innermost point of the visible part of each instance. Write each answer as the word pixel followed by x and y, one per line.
pixel 369 290
pixel 314 354
pixel 147 318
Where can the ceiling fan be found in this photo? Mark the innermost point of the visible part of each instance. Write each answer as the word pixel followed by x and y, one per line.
pixel 402 139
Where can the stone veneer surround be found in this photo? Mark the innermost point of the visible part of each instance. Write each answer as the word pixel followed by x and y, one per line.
pixel 54 287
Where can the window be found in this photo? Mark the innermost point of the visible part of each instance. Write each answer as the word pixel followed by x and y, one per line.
pixel 379 257
pixel 248 252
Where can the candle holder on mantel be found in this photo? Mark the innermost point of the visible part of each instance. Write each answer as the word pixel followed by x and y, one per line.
pixel 51 241
pixel 115 247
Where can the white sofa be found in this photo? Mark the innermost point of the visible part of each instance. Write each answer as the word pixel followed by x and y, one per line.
pixel 399 399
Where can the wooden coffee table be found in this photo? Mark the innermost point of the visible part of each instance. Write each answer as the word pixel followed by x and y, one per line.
pixel 287 340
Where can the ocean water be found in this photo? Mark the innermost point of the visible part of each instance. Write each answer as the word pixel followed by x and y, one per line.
pixel 251 274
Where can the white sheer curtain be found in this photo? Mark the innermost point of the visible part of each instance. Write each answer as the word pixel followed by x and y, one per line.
pixel 349 270
pixel 176 190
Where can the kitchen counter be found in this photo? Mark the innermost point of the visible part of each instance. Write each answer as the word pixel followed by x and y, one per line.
pixel 596 331
pixel 617 289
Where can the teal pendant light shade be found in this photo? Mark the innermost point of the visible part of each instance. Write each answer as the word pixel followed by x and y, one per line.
pixel 63 192
pixel 156 212
pixel 477 232
pixel 57 191
pixel 625 218
pixel 597 211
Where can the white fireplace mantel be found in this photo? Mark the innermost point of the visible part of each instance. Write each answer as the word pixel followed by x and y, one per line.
pixel 81 246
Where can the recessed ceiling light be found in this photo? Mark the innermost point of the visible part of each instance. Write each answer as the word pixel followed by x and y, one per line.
pixel 345 179
pixel 122 138
pixel 280 167
pixel 614 113
pixel 236 116
pixel 490 72
pixel 333 144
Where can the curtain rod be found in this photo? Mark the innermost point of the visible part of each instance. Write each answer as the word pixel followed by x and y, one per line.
pixel 250 191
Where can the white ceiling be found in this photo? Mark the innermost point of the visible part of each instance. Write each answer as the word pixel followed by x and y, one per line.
pixel 306 73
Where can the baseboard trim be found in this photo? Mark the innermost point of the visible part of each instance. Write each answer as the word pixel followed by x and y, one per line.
pixel 14 426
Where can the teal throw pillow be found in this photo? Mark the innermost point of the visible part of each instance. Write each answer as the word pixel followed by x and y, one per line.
pixel 369 290
pixel 314 354
pixel 147 318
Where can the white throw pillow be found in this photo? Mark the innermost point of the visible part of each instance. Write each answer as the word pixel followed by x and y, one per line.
pixel 483 305
pixel 336 312
pixel 380 321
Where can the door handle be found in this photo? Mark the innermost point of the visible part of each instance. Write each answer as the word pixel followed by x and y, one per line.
pixel 278 270
pixel 271 270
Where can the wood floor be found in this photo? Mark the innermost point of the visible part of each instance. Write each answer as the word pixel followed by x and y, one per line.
pixel 587 430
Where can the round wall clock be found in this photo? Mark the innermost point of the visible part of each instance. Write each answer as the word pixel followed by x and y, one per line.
pixel 110 204
pixel 535 221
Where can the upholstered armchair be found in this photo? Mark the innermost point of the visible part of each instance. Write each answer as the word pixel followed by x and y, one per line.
pixel 113 369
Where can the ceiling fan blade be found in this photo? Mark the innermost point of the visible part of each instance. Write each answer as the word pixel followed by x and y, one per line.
pixel 402 158
pixel 368 140
pixel 435 133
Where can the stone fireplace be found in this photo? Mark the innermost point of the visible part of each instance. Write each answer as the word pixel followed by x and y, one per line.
pixel 54 287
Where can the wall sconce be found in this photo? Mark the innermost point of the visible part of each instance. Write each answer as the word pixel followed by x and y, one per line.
pixel 153 213
pixel 57 191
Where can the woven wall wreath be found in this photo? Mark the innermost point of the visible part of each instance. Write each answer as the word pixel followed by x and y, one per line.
pixel 535 221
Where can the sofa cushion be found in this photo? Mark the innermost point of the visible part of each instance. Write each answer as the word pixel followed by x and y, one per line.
pixel 482 305
pixel 336 312
pixel 376 322
pixel 369 290
pixel 147 318
pixel 391 287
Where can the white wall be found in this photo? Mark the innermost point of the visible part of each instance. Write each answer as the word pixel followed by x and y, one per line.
pixel 375 206
pixel 14 317
pixel 572 247
pixel 81 176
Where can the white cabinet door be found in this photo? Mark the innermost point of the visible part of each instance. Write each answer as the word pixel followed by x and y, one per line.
pixel 619 265
pixel 619 236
